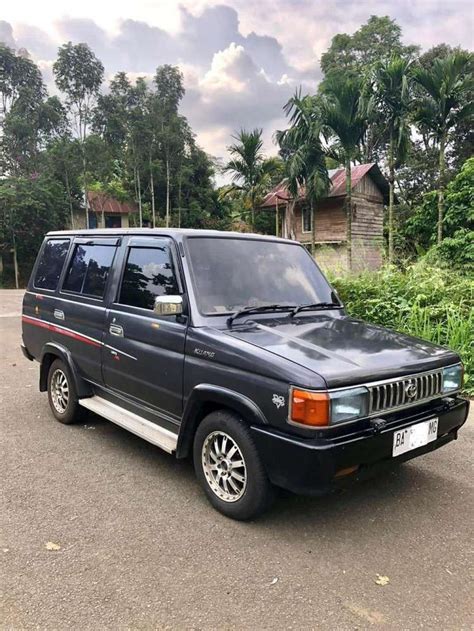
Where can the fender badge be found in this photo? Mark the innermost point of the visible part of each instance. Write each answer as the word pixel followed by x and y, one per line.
pixel 155 325
pixel 278 401
pixel 203 353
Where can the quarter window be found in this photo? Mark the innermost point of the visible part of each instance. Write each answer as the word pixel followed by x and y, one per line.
pixel 51 263
pixel 88 270
pixel 148 273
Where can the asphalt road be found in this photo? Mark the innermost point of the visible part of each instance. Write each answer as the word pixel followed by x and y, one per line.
pixel 140 547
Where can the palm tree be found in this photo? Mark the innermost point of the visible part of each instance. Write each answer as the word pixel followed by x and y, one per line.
pixel 445 103
pixel 303 154
pixel 345 111
pixel 392 79
pixel 250 170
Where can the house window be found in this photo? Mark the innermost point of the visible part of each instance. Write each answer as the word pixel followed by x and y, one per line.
pixel 113 221
pixel 307 219
pixel 92 220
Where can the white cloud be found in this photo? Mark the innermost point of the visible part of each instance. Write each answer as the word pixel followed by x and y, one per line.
pixel 241 60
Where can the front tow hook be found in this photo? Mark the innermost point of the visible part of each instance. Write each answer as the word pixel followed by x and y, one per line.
pixel 378 424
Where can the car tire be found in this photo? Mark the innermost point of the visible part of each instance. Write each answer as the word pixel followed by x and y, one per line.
pixel 229 468
pixel 62 395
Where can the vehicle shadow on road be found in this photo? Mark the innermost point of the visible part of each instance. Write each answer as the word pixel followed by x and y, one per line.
pixel 388 501
pixel 403 490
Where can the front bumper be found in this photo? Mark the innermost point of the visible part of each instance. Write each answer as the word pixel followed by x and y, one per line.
pixel 313 466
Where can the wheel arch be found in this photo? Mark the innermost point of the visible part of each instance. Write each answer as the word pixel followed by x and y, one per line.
pixel 52 351
pixel 207 398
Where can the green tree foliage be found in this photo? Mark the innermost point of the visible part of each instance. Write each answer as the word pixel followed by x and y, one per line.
pixel 457 248
pixel 374 42
pixel 302 150
pixel 251 172
pixel 30 206
pixel 79 74
pixel 442 106
pixel 20 78
pixel 130 142
pixel 27 118
pixel 345 112
pixel 171 131
pixel 392 82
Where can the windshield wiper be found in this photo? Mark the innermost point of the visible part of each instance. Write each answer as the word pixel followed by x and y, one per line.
pixel 316 306
pixel 261 308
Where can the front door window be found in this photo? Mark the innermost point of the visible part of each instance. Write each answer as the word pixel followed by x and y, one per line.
pixel 148 273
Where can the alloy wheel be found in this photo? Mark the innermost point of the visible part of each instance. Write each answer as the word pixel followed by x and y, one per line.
pixel 224 466
pixel 59 391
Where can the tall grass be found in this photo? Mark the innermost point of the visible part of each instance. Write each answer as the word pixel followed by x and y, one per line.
pixel 428 302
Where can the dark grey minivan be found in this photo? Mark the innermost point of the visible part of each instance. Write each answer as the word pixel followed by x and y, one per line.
pixel 233 348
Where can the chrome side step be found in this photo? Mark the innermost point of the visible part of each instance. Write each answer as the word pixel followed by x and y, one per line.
pixel 147 430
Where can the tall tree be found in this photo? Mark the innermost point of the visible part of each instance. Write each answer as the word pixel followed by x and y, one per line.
pixel 79 74
pixel 442 106
pixel 345 113
pixel 249 168
pixel 19 78
pixel 374 42
pixel 303 154
pixel 169 92
pixel 121 118
pixel 355 55
pixel 392 79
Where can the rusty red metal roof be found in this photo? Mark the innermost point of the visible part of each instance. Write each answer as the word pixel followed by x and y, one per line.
pixel 338 184
pixel 102 203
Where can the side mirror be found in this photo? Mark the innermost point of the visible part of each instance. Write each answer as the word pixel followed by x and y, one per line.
pixel 168 305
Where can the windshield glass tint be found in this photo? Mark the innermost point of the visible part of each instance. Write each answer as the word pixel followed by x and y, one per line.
pixel 230 274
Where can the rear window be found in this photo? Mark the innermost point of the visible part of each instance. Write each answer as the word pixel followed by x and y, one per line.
pixel 51 263
pixel 88 270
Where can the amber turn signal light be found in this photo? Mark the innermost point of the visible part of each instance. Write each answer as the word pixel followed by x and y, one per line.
pixel 310 408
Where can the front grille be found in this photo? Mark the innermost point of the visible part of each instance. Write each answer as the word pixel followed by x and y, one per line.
pixel 404 392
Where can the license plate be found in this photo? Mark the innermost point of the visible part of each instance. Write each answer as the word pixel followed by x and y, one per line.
pixel 414 436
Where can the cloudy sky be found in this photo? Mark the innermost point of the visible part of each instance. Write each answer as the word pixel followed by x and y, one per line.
pixel 241 59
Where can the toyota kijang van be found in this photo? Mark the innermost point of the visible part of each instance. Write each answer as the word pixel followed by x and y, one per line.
pixel 233 349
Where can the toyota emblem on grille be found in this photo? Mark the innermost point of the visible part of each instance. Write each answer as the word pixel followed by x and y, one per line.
pixel 411 389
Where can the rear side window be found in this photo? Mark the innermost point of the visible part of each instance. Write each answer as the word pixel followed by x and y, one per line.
pixel 148 273
pixel 51 263
pixel 88 269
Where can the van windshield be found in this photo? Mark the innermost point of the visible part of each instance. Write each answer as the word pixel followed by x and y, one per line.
pixel 231 274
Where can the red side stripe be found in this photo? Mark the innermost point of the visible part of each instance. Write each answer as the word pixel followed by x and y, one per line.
pixel 56 329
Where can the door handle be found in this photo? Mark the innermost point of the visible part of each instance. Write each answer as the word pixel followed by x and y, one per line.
pixel 116 329
pixel 58 314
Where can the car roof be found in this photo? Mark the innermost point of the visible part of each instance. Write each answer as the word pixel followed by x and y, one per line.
pixel 175 233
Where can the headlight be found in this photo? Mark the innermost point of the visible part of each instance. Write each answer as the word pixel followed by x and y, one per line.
pixel 320 409
pixel 349 404
pixel 452 378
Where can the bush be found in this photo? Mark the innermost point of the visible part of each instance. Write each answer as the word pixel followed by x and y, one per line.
pixel 426 301
pixel 419 230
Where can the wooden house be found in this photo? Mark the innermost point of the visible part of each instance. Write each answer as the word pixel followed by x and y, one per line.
pixel 369 194
pixel 105 212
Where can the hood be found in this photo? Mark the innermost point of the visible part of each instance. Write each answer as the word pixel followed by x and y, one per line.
pixel 343 350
